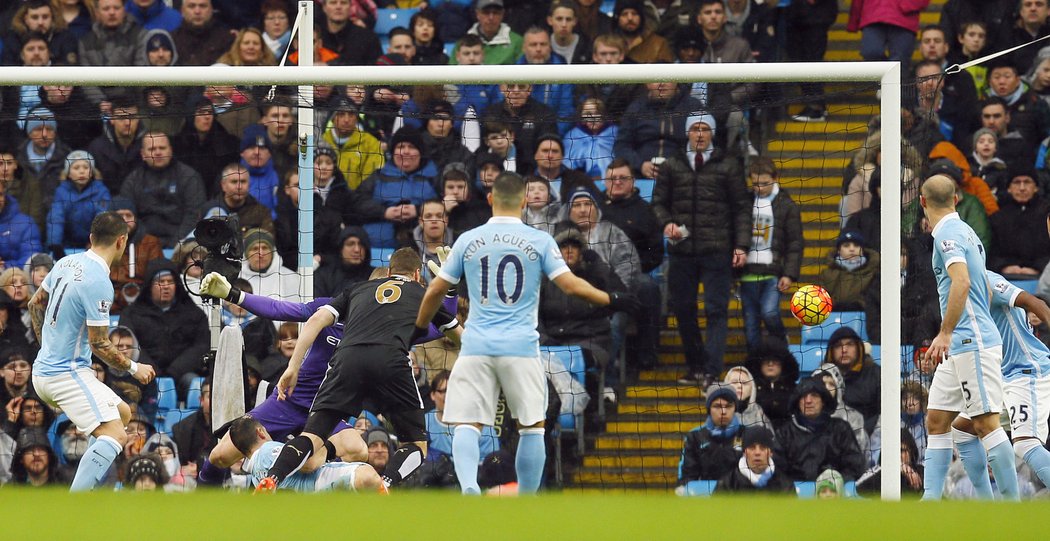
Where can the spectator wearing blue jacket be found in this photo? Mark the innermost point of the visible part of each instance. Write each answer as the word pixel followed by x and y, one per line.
pixel 19 235
pixel 257 157
pixel 391 196
pixel 536 49
pixel 589 145
pixel 470 51
pixel 153 14
pixel 80 196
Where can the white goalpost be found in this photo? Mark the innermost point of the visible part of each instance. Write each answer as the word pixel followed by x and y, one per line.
pixel 886 74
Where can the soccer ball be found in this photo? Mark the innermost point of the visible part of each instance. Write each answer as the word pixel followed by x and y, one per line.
pixel 811 304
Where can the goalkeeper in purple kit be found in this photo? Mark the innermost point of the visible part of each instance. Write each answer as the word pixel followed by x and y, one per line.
pixel 286 418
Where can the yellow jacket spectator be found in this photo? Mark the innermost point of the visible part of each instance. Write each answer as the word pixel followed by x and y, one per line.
pixel 358 151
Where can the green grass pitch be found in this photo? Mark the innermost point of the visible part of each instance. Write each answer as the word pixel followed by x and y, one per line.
pixel 55 514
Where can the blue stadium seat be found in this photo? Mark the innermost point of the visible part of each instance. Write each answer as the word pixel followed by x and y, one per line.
pixel 556 186
pixel 388 19
pixel 1027 285
pixel 571 357
pixel 114 320
pixel 608 6
pixel 645 188
pixel 168 252
pixel 384 43
pixel 600 184
pixel 381 256
pixel 166 397
pixel 808 489
pixel 820 334
pixel 450 47
pixel 170 418
pixel 71 251
pixel 809 357
pixel 702 487
pixel 193 396
pixel 876 354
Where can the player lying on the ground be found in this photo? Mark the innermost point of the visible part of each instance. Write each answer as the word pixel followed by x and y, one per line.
pixel 1026 386
pixel 251 439
pixel 285 418
pixel 370 364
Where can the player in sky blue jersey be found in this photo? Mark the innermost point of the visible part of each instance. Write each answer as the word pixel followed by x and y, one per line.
pixel 1026 380
pixel 505 262
pixel 253 441
pixel 70 315
pixel 967 352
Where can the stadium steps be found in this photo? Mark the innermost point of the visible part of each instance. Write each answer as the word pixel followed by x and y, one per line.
pixel 637 447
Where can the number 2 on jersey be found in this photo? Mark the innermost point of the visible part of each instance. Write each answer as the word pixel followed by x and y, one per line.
pixel 509 260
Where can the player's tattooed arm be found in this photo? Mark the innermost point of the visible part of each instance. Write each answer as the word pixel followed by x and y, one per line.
pixel 103 348
pixel 37 306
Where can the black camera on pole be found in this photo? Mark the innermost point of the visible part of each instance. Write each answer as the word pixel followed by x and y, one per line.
pixel 221 237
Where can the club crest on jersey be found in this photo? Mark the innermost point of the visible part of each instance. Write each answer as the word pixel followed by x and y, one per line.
pixel 948 245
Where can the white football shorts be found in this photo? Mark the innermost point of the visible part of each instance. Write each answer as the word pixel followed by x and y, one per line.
pixel 969 382
pixel 81 396
pixel 475 383
pixel 1027 401
pixel 337 476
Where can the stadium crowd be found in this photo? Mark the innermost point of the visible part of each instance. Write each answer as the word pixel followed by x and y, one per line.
pixel 411 166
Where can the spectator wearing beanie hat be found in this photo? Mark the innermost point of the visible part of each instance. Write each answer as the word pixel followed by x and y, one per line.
pixel 359 152
pixel 851 269
pixel 35 463
pixel 392 195
pixel 41 157
pixel 441 138
pixel 713 449
pixel 264 269
pixel 643 45
pixel 160 49
pixel 257 157
pixel 37 268
pixel 702 200
pixel 79 197
pixel 1021 249
pixel 170 328
pixel 985 162
pixel 756 471
pixel 146 472
pixel 128 273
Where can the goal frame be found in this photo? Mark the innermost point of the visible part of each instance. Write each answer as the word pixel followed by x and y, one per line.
pixel 887 74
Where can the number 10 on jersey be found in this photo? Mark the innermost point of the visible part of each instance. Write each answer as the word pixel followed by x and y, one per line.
pixel 503 267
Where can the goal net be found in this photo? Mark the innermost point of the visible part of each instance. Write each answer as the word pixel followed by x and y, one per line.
pixel 645 174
